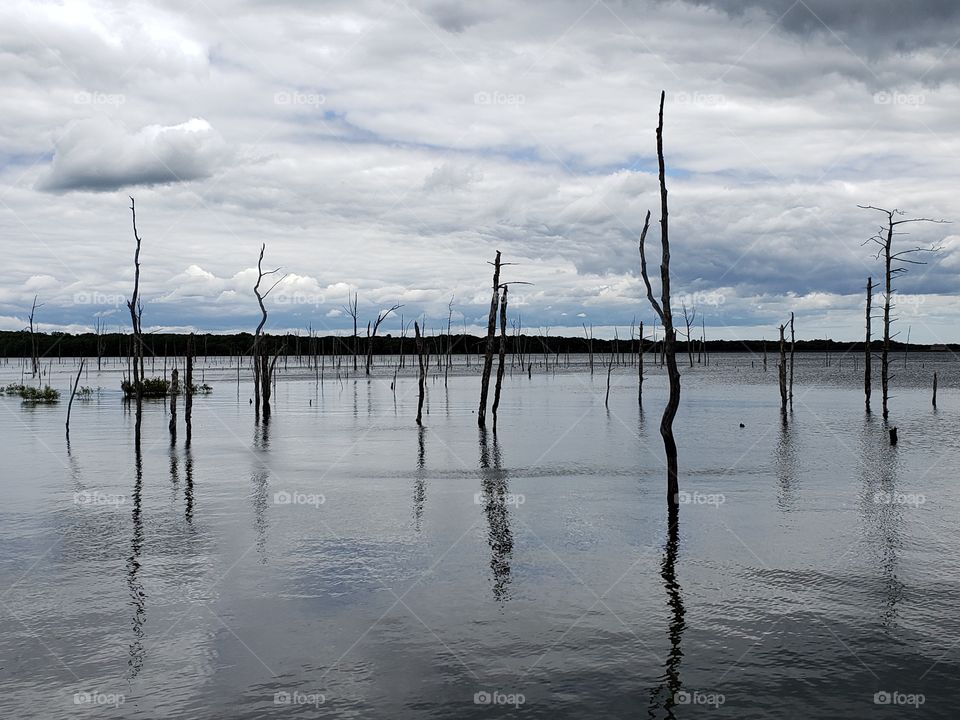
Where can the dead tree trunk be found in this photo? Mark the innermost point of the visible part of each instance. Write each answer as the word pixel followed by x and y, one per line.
pixel 381 316
pixel 867 355
pixel 491 337
pixel 76 382
pixel 422 377
pixel 934 389
pixel 662 309
pixel 261 374
pixel 351 309
pixel 136 314
pixel 34 353
pixel 792 347
pixel 174 391
pixel 188 397
pixel 640 369
pixel 503 356
pixel 894 264
pixel 782 371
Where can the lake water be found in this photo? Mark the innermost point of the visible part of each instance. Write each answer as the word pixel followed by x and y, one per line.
pixel 341 562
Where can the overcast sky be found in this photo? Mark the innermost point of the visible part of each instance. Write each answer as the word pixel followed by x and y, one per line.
pixel 393 147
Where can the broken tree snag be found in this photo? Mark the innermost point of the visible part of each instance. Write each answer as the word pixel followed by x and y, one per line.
pixel 867 357
pixel 80 371
pixel 640 368
pixel 381 316
pixel 136 315
pixel 606 400
pixel 782 371
pixel 895 263
pixel 188 394
pixel 422 378
pixel 491 337
pixel 34 353
pixel 792 348
pixel 934 389
pixel 662 309
pixel 503 356
pixel 174 390
pixel 351 309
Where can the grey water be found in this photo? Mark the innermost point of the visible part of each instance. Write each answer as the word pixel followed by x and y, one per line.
pixel 339 561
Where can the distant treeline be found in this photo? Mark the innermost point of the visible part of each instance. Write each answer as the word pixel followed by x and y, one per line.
pixel 18 344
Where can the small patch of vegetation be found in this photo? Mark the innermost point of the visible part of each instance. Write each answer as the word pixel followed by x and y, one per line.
pixel 152 388
pixel 204 389
pixel 46 394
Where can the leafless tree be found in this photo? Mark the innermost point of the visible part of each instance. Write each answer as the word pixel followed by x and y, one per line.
pixel 895 264
pixel 261 369
pixel 613 353
pixel 422 376
pixel 782 371
pixel 503 355
pixel 34 353
pixel 351 309
pixel 662 309
pixel 371 334
pixel 491 339
pixel 792 348
pixel 688 319
pixel 76 382
pixel 867 354
pixel 136 315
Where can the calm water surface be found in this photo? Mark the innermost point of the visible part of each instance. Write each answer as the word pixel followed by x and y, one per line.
pixel 341 562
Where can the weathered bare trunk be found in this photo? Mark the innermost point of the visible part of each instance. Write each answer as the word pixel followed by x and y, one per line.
pixel 792 347
pixel 640 369
pixel 666 317
pixel 422 377
pixel 934 389
pixel 606 400
pixel 174 391
pixel 76 382
pixel 491 338
pixel 885 357
pixel 503 354
pixel 782 371
pixel 188 397
pixel 136 314
pixel 867 356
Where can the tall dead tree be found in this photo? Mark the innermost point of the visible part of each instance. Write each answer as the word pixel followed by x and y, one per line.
pixel 640 368
pixel 422 376
pixel 688 319
pixel 261 368
pixel 34 353
pixel 174 391
pixel 188 392
pixel 662 309
pixel 351 309
pixel 503 356
pixel 867 354
pixel 895 263
pixel 782 371
pixel 136 315
pixel 491 340
pixel 76 382
pixel 381 316
pixel 792 348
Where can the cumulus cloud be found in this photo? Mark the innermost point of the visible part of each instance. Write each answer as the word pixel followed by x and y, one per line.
pixel 99 155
